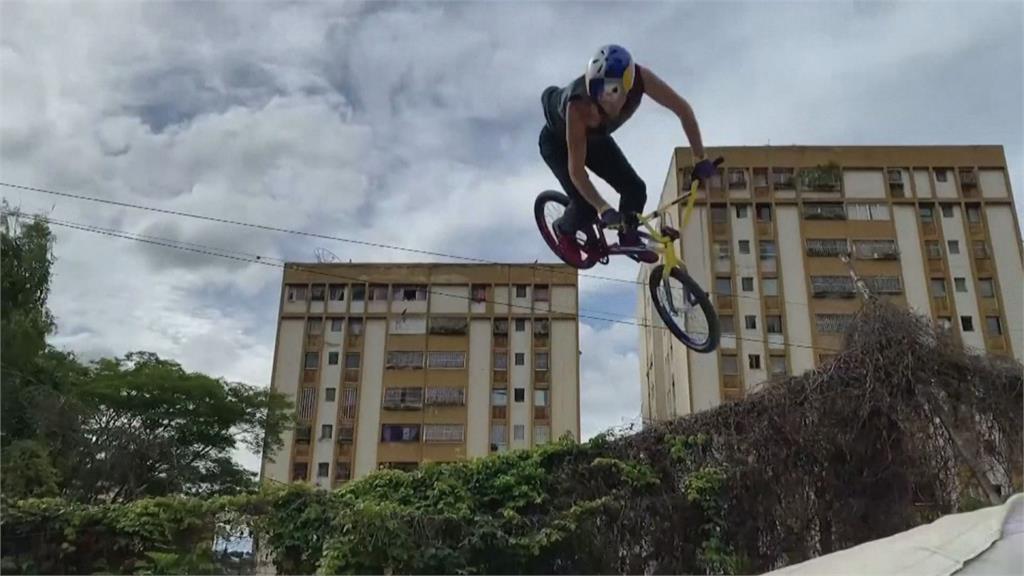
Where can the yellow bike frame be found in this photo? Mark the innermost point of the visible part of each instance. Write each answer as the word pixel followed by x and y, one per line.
pixel 664 246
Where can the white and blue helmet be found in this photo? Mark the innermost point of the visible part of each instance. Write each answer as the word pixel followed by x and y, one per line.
pixel 610 72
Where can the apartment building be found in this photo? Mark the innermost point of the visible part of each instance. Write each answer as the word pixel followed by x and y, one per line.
pixel 393 365
pixel 930 227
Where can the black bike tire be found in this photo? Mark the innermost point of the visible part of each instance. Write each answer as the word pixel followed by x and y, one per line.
pixel 541 220
pixel 654 280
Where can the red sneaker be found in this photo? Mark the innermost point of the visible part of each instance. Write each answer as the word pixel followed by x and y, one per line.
pixel 569 249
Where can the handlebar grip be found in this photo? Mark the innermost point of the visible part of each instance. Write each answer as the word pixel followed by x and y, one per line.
pixel 718 160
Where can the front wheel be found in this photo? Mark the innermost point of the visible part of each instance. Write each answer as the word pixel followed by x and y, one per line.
pixel 685 308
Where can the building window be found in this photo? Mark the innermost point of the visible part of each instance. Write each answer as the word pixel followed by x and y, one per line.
pixel 540 397
pixel 358 292
pixel 876 249
pixel 337 292
pixel 832 286
pixel 973 214
pixel 379 292
pixel 750 321
pixel 329 394
pixel 300 472
pixel 520 395
pixel 926 213
pixel 741 211
pixel 326 432
pixel 980 249
pixel 722 251
pixel 993 325
pixel 410 293
pixel 541 293
pixel 783 178
pixel 400 433
pixel 355 327
pixel 312 360
pixel 726 323
pixel 499 434
pixel 449 325
pixel 446 359
pixel 938 286
pixel 941 175
pixel 747 283
pixel 519 432
pixel 444 433
pixel 342 471
pixel 479 292
pixel 986 288
pixel 352 360
pixel 947 211
pixel 520 358
pixel 832 323
pixel 770 286
pixel 737 178
pixel 933 249
pixel 777 365
pixel 744 246
pixel 868 211
pixel 323 469
pixel 348 403
pixel 403 398
pixel 723 286
pixel 967 323
pixel 953 246
pixel 336 324
pixel 754 361
pixel 520 325
pixel 884 284
pixel 314 326
pixel 332 358
pixel 296 293
pixel 766 251
pixel 317 292
pixel 718 214
pixel 520 290
pixel 827 247
pixel 946 322
pixel 960 284
pixel 441 433
pixel 302 435
pixel 773 324
pixel 499 397
pixel 764 213
pixel 541 327
pixel 405 359
pixel 824 212
pixel 446 397
pixel 541 434
pixel 729 365
pixel 540 360
pixel 501 360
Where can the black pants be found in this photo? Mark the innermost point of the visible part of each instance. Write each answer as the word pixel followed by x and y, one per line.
pixel 606 160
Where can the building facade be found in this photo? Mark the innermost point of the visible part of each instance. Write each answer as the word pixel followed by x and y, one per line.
pixel 393 365
pixel 930 227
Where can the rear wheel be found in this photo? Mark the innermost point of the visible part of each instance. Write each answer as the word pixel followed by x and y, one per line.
pixel 684 308
pixel 549 207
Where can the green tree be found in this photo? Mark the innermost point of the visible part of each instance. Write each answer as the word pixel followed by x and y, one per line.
pixel 26 258
pixel 152 428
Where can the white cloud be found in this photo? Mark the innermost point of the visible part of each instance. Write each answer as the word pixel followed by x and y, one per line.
pixel 416 124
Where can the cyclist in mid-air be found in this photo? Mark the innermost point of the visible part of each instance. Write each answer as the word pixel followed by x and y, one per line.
pixel 580 119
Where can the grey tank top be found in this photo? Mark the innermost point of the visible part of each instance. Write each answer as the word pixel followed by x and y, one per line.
pixel 556 100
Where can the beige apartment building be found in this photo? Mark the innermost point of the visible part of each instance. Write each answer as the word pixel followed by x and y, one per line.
pixel 393 365
pixel 930 227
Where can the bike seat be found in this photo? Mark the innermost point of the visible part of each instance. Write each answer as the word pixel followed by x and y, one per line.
pixel 670 232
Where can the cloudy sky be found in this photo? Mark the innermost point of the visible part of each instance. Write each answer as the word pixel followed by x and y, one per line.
pixel 415 124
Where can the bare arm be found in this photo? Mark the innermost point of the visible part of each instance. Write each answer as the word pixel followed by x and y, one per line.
pixel 664 94
pixel 576 139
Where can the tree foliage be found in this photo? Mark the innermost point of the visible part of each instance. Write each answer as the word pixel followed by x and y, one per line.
pixel 902 427
pixel 118 428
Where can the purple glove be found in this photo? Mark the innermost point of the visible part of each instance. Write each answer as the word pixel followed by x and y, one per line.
pixel 704 170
